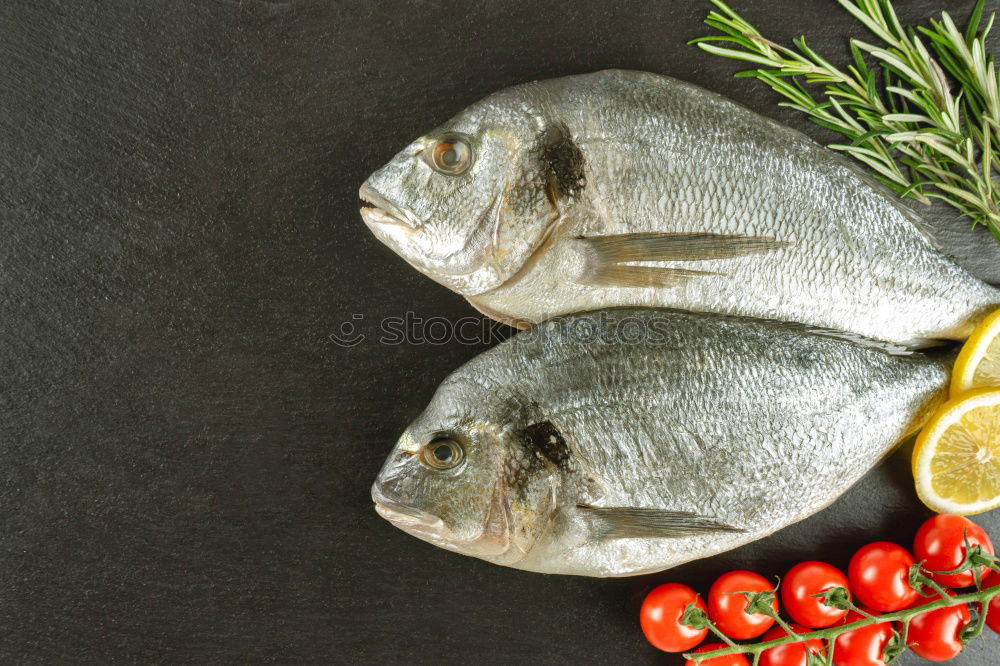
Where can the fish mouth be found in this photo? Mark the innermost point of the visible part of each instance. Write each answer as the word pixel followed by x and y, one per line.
pixel 382 212
pixel 473 268
pixel 406 517
pixel 400 230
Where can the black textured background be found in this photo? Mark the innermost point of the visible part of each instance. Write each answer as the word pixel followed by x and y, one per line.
pixel 185 456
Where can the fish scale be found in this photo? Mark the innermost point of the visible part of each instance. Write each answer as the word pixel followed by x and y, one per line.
pixel 636 453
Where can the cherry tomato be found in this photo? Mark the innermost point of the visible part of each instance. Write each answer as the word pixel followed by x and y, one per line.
pixel 879 576
pixel 864 646
pixel 727 605
pixel 792 654
pixel 935 635
pixel 993 610
pixel 940 543
pixel 801 583
pixel 730 660
pixel 660 618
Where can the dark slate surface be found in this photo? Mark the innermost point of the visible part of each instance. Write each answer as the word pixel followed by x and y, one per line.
pixel 185 456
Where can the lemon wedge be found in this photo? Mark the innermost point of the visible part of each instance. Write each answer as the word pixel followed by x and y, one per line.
pixel 956 460
pixel 978 364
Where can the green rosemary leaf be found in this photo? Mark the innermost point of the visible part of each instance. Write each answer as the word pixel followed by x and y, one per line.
pixel 739 55
pixel 874 161
pixel 859 59
pixel 925 120
pixel 903 92
pixel 907 118
pixel 914 187
pixel 745 43
pixel 862 138
pixel 871 22
pixel 725 8
pixel 977 15
pixel 934 33
pixel 840 129
pixel 959 192
pixel 989 26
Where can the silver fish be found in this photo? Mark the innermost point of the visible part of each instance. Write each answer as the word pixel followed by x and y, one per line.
pixel 628 441
pixel 623 188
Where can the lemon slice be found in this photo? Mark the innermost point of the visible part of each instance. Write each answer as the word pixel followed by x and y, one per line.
pixel 978 364
pixel 956 461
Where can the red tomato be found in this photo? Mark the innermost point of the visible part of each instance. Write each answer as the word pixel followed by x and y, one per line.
pixel 935 635
pixel 730 660
pixel 862 647
pixel 792 654
pixel 801 583
pixel 661 614
pixel 879 577
pixel 727 605
pixel 993 609
pixel 940 544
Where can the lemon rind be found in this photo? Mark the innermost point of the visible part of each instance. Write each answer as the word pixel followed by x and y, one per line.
pixel 972 354
pixel 947 415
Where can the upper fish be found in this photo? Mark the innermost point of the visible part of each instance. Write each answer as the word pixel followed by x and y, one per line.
pixel 623 188
pixel 628 441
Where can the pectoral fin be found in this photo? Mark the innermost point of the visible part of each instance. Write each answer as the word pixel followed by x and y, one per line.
pixel 656 246
pixel 632 522
pixel 625 275
pixel 609 254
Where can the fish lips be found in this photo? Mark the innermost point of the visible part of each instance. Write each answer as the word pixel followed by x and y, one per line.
pixel 383 213
pixel 465 271
pixel 392 225
pixel 405 517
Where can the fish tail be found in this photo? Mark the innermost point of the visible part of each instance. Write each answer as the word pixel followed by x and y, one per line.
pixel 939 362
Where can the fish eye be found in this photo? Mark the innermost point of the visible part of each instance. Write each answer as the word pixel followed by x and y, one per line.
pixel 442 453
pixel 451 155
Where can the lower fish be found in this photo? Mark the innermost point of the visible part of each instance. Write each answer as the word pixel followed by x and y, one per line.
pixel 627 441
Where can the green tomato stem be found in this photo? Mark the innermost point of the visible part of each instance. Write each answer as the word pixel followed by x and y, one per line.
pixel 784 625
pixel 860 611
pixel 978 629
pixel 696 618
pixel 941 592
pixel 906 632
pixel 830 634
pixel 725 639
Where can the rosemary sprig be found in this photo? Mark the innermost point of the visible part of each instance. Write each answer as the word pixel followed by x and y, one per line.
pixel 924 120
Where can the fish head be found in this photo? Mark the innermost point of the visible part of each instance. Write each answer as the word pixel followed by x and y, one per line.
pixel 470 202
pixel 465 485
